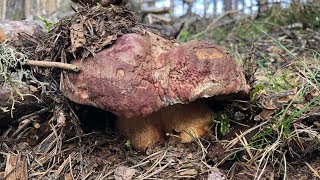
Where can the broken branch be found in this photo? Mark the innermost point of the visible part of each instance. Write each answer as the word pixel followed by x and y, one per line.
pixel 48 64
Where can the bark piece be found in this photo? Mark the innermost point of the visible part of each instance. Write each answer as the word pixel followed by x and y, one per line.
pixel 16 168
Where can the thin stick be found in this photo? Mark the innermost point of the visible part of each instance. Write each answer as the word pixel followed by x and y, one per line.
pixel 48 64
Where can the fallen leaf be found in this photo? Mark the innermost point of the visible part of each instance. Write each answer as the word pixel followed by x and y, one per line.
pixel 268 103
pixel 264 115
pixel 124 173
pixel 215 174
pixel 77 36
pixel 61 119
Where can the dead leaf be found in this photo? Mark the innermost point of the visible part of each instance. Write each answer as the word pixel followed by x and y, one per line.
pixel 215 174
pixel 124 173
pixel 312 93
pixel 61 119
pixel 298 106
pixel 268 103
pixel 68 176
pixel 77 36
pixel 108 40
pixel 264 115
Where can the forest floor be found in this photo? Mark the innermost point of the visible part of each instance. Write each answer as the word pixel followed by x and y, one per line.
pixel 273 134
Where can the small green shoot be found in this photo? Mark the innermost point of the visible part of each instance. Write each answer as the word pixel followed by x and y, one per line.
pixel 184 35
pixel 128 144
pixel 273 39
pixel 48 25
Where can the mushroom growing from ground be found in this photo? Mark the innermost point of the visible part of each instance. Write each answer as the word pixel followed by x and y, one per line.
pixel 155 86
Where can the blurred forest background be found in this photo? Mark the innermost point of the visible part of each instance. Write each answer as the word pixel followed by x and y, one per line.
pixel 29 9
pixel 185 19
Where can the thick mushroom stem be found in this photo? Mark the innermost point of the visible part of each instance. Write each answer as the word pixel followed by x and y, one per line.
pixel 190 121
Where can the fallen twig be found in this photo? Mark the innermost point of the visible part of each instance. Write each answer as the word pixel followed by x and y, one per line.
pixel 48 64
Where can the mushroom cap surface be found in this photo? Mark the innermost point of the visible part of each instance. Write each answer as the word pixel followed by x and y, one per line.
pixel 141 73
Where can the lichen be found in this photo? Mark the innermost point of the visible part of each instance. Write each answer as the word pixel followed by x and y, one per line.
pixel 12 73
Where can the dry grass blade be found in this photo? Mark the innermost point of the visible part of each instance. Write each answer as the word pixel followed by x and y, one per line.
pixel 157 171
pixel 154 165
pixel 63 165
pixel 236 140
pixel 244 143
pixel 315 172
pixel 267 152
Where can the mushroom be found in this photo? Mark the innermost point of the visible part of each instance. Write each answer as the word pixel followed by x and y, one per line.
pixel 155 86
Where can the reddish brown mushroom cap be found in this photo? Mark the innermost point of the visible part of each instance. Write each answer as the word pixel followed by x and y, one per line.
pixel 140 74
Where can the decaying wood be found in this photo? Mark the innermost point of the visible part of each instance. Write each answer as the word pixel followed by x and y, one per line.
pixel 12 29
pixel 153 18
pixel 16 168
pixel 13 107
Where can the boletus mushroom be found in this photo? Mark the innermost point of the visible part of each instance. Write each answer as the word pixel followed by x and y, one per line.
pixel 155 86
